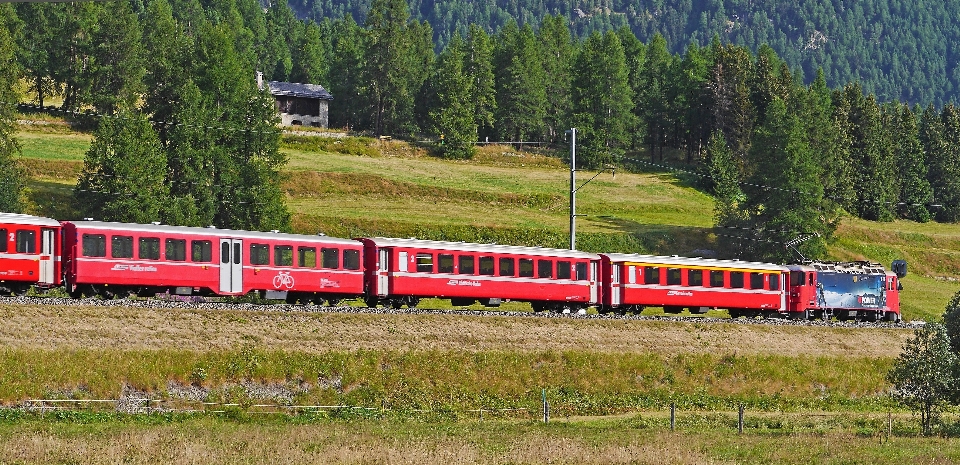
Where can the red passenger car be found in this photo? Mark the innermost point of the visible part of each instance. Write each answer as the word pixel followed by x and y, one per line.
pixel 121 258
pixel 632 282
pixel 402 271
pixel 29 252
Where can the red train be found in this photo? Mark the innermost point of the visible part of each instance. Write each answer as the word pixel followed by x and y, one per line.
pixel 119 259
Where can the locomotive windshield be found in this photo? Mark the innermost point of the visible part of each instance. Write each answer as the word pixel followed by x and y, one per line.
pixel 846 290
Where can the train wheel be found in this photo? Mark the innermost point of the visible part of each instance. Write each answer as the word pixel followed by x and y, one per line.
pixel 371 302
pixel 734 314
pixel 801 316
pixel 892 317
pixel 538 306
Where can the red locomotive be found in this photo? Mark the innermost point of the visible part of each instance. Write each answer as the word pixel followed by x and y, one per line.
pixel 111 259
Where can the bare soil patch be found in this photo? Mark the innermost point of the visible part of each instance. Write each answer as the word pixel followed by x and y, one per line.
pixel 83 326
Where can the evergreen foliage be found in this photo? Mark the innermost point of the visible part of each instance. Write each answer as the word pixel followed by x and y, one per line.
pixel 123 172
pixel 11 173
pixel 451 118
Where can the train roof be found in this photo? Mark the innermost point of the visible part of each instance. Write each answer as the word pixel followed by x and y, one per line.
pixel 862 267
pixel 472 247
pixel 697 261
pixel 216 232
pixel 17 218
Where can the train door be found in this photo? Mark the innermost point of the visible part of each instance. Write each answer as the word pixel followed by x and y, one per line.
pixel 47 274
pixel 593 281
pixel 231 266
pixel 781 279
pixel 383 269
pixel 615 284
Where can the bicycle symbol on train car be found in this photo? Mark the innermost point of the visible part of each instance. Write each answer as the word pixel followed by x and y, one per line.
pixel 283 280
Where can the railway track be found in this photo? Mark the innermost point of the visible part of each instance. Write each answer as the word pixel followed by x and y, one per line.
pixel 209 304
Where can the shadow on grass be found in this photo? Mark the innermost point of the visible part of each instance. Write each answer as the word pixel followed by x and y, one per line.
pixel 50 199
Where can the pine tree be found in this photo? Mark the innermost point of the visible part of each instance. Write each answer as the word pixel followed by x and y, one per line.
pixel 123 172
pixel 35 47
pixel 915 192
pixel 944 169
pixel 347 84
pixel 923 375
pixel 725 184
pixel 520 84
pixel 729 90
pixel 784 193
pixel 872 156
pixel 387 53
pixel 655 84
pixel 115 68
pixel 556 43
pixel 451 118
pixel 309 59
pixel 478 65
pixel 602 98
pixel 11 173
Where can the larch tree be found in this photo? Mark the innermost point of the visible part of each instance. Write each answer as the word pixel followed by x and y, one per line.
pixel 451 117
pixel 387 48
pixel 116 67
pixel 915 192
pixel 557 46
pixel 478 66
pixel 520 84
pixel 11 173
pixel 123 172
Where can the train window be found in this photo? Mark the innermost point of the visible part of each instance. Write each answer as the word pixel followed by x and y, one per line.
pixel 351 259
pixel 796 278
pixel 444 263
pixel 632 274
pixel 716 278
pixel 121 246
pixel 283 255
pixel 651 275
pixel 94 245
pixel 176 249
pixel 673 276
pixel 810 279
pixel 526 267
pixel 695 277
pixel 3 240
pixel 506 267
pixel 563 270
pixel 756 280
pixel 736 279
pixel 26 241
pixel 307 257
pixel 486 265
pixel 259 254
pixel 466 264
pixel 544 269
pixel 424 263
pixel 225 252
pixel 774 282
pixel 149 248
pixel 236 253
pixel 202 251
pixel 581 271
pixel 329 258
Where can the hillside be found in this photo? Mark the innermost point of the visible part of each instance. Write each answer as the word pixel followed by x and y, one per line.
pixel 896 50
pixel 353 187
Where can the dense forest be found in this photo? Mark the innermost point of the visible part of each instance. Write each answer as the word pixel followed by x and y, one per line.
pixel 896 49
pixel 187 138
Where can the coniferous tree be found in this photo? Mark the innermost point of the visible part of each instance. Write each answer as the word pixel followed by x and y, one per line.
pixel 872 158
pixel 35 47
pixel 123 172
pixel 725 185
pixel 451 118
pixel 694 101
pixel 602 97
pixel 557 46
pixel 11 173
pixel 309 59
pixel 115 67
pixel 520 84
pixel 780 156
pixel 387 48
pixel 347 84
pixel 654 82
pixel 944 169
pixel 729 90
pixel 635 53
pixel 478 65
pixel 915 192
